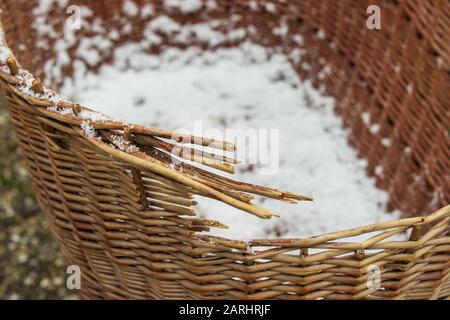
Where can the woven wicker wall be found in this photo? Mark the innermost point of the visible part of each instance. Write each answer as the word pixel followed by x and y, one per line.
pixel 400 76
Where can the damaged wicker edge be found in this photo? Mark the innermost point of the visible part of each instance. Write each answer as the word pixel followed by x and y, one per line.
pixel 141 159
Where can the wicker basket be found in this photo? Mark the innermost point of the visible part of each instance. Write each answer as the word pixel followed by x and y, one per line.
pixel 125 217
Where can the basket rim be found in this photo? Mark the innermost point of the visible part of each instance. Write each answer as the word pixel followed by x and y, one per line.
pixel 142 160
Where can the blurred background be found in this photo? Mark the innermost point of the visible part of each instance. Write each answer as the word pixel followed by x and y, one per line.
pixel 31 266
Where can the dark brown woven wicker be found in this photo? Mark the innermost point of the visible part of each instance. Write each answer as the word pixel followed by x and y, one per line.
pixel 126 218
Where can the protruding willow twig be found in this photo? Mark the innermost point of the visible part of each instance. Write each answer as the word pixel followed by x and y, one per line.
pixel 141 160
pixel 224 183
pixel 136 129
pixel 164 157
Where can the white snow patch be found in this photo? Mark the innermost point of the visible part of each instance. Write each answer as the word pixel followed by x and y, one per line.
pixel 374 129
pixel 385 142
pixel 185 6
pixel 270 7
pixel 378 170
pixel 366 118
pixel 130 8
pixel 410 89
pixel 253 4
pixel 147 10
pixel 211 5
pixel 321 35
pixel 164 24
pixel 88 130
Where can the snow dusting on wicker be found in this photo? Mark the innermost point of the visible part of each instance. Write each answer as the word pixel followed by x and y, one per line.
pixel 25 78
pixel 25 85
pixel 88 130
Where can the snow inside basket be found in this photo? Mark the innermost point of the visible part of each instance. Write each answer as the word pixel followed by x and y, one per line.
pixel 211 79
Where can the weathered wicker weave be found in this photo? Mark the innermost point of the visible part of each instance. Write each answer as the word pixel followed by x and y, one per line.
pixel 126 219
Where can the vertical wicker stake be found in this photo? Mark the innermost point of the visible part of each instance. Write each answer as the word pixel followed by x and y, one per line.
pixel 37 86
pixel 359 254
pixel 127 134
pixel 136 174
pixel 11 62
pixel 303 254
pixel 415 233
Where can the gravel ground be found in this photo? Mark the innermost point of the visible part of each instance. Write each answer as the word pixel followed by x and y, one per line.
pixel 31 266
